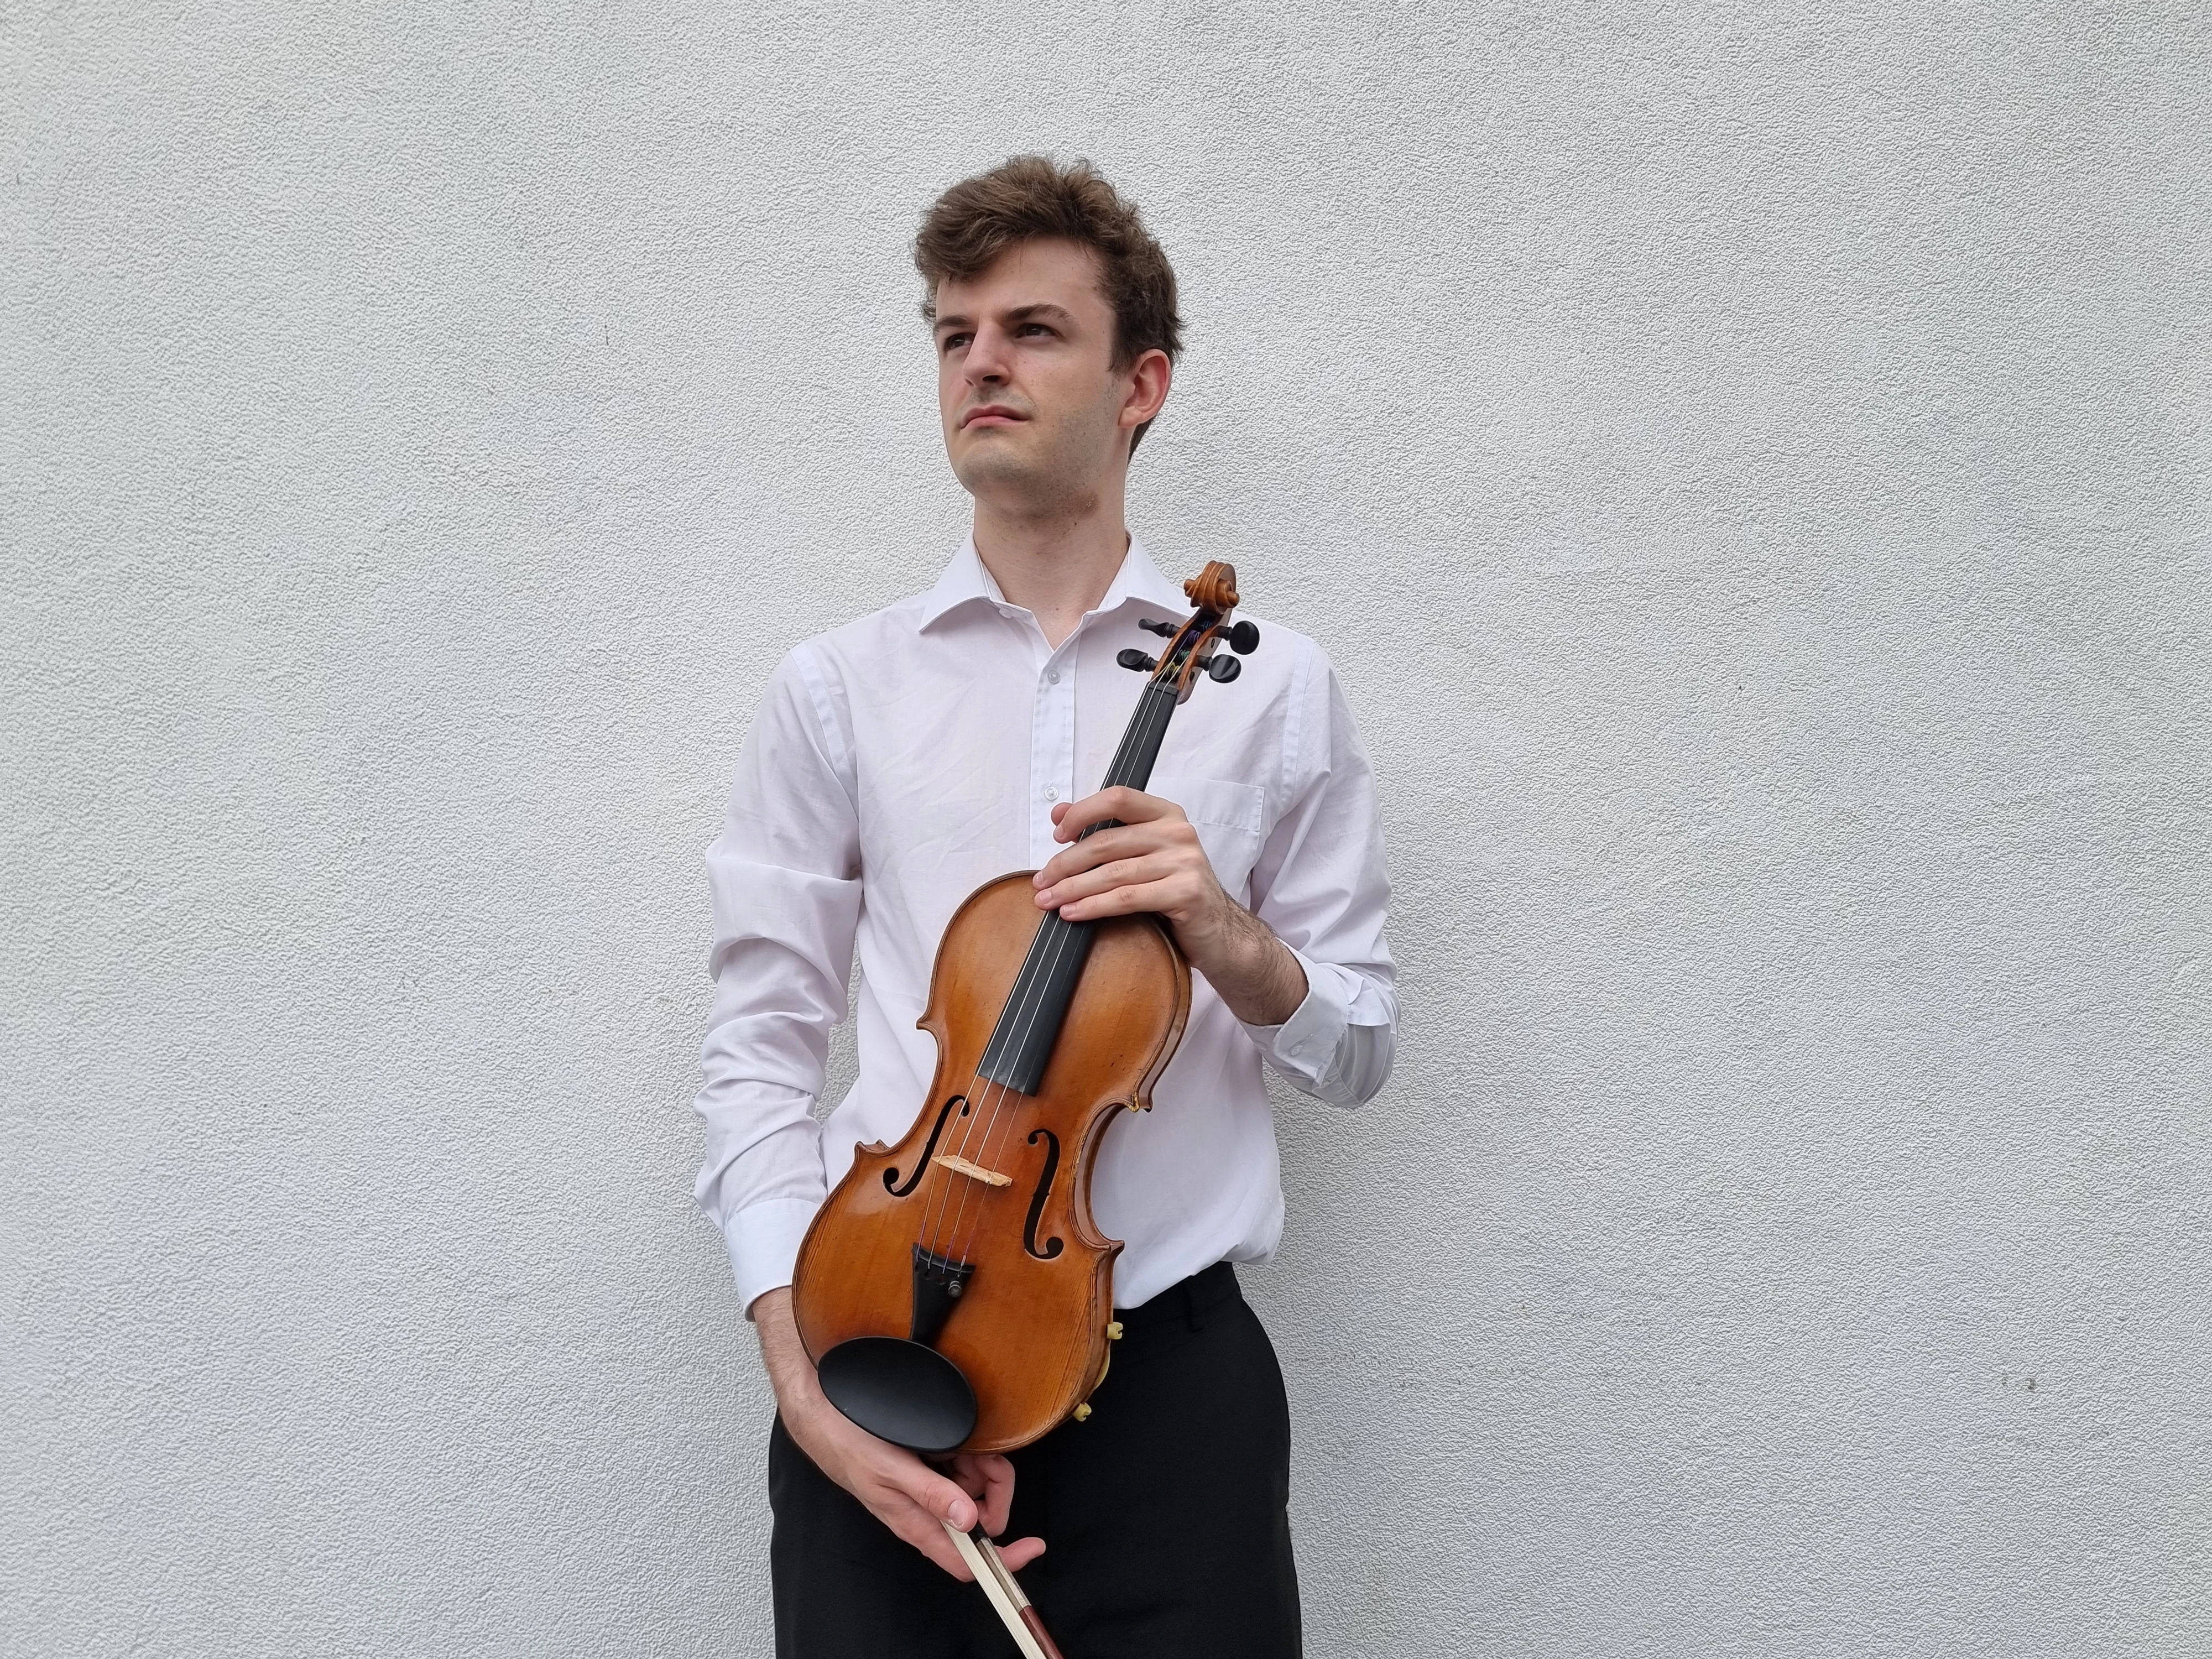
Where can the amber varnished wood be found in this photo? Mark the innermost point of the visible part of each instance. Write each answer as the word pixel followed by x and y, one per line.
pixel 1030 1331
pixel 1213 588
pixel 1213 591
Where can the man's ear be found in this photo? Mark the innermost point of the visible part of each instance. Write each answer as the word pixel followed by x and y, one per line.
pixel 1149 379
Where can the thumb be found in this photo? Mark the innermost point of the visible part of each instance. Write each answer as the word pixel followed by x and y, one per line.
pixel 942 1499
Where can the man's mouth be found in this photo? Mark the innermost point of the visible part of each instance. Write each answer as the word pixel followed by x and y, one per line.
pixel 990 415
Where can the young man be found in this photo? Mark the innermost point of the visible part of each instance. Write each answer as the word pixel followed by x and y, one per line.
pixel 900 762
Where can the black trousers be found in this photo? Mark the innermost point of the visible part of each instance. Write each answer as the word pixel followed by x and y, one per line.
pixel 1165 1515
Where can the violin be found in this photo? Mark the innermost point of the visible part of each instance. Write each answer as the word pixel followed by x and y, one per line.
pixel 954 1291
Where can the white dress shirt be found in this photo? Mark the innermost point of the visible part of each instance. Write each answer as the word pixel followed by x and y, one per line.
pixel 897 763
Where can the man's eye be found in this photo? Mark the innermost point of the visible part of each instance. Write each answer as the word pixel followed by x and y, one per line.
pixel 1034 328
pixel 951 341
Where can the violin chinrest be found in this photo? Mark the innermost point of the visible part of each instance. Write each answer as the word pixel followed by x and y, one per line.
pixel 900 1391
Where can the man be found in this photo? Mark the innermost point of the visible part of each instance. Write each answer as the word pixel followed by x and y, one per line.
pixel 901 761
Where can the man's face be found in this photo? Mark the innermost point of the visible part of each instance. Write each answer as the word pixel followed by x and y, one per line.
pixel 1025 383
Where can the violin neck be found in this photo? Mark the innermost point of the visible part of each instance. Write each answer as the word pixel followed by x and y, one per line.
pixel 1140 744
pixel 1029 1025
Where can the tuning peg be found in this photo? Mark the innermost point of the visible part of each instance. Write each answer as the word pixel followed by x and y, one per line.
pixel 1135 659
pixel 1243 638
pixel 1223 669
pixel 1165 629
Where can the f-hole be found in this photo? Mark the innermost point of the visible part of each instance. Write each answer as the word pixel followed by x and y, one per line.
pixel 1052 1246
pixel 890 1175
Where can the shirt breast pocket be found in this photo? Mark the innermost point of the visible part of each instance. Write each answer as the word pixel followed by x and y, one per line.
pixel 1231 819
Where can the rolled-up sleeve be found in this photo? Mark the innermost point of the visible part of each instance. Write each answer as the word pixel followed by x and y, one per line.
pixel 784 877
pixel 1320 885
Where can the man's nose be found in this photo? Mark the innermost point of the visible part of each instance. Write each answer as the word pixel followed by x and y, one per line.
pixel 986 361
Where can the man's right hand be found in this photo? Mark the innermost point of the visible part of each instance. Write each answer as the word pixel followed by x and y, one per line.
pixel 901 1490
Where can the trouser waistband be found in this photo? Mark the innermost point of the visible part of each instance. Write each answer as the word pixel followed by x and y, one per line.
pixel 1192 1300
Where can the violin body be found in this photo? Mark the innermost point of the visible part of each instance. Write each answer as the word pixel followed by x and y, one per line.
pixel 998 1181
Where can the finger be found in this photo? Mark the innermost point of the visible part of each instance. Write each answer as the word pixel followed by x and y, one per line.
pixel 940 1498
pixel 1130 841
pixel 1159 898
pixel 1080 816
pixel 1134 806
pixel 1019 1553
pixel 1122 872
pixel 919 1516
pixel 1097 877
pixel 1129 806
pixel 993 1486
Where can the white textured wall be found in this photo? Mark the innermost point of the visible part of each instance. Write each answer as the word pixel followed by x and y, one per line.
pixel 1752 465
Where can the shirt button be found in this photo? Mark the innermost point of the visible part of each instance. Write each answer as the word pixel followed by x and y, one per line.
pixel 1051 793
pixel 1052 677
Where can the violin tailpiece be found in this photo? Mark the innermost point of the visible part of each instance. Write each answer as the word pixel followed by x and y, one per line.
pixel 939 1283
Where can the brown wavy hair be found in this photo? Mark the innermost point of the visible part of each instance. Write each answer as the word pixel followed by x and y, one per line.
pixel 1030 198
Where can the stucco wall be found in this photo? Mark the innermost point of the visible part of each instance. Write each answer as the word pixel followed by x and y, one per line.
pixel 1751 465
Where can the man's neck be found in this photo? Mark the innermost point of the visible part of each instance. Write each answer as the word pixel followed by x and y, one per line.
pixel 1055 568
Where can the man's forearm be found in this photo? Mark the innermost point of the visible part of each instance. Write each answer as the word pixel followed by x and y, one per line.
pixel 1251 970
pixel 790 1372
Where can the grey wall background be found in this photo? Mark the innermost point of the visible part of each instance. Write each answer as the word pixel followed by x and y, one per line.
pixel 1750 463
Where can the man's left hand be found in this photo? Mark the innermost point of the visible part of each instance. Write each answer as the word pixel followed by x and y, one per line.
pixel 1152 861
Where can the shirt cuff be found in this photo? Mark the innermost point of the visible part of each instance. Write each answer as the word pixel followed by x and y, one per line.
pixel 1302 1047
pixel 763 1240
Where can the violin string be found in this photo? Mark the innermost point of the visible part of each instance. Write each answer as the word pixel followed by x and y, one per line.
pixel 1031 982
pixel 1039 976
pixel 985 1106
pixel 1150 724
pixel 978 1096
pixel 1027 984
pixel 1143 732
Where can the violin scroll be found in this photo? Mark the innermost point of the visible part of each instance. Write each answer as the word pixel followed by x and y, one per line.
pixel 1213 591
pixel 1213 588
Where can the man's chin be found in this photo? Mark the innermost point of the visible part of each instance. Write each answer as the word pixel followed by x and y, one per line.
pixel 986 468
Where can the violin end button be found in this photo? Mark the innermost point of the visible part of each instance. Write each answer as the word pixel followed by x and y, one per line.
pixel 1083 1412
pixel 1113 1330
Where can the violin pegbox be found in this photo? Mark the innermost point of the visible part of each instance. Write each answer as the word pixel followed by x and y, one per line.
pixel 1213 591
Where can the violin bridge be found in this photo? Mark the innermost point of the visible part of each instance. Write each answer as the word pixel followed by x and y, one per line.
pixel 975 1172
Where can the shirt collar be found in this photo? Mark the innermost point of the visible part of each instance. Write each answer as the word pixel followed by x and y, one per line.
pixel 966 580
